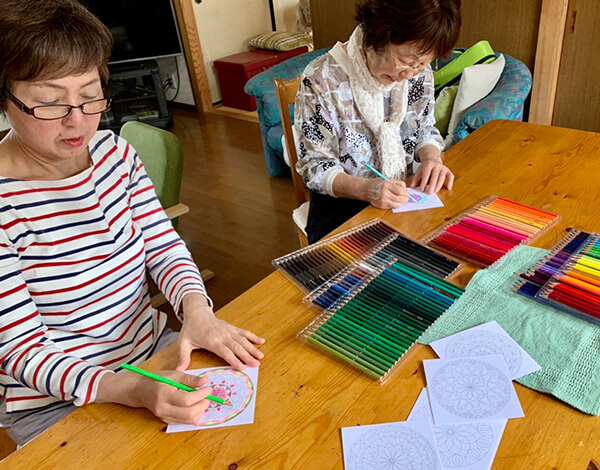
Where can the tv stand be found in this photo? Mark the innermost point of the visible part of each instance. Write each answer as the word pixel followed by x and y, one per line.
pixel 137 95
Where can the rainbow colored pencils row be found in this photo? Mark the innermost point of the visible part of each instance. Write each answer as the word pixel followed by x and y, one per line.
pixel 534 279
pixel 372 326
pixel 491 229
pixel 312 266
pixel 575 288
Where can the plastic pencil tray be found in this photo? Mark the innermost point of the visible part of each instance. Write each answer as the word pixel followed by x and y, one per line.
pixel 466 213
pixel 326 314
pixel 573 233
pixel 279 263
pixel 543 293
pixel 369 265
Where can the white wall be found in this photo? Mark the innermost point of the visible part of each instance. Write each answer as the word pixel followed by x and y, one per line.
pixel 168 67
pixel 226 26
pixel 285 15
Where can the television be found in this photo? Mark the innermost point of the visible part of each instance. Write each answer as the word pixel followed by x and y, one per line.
pixel 142 29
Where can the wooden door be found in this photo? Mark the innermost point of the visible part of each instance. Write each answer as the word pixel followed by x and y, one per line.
pixel 511 26
pixel 577 102
pixel 332 21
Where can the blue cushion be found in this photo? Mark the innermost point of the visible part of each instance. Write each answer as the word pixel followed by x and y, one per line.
pixel 504 102
pixel 262 87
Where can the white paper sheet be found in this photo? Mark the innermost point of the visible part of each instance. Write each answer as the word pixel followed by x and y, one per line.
pixel 400 445
pixel 462 446
pixel 423 201
pixel 471 389
pixel 237 387
pixel 482 340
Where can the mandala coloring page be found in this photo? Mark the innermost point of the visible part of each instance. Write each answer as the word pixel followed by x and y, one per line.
pixel 393 446
pixel 462 446
pixel 471 389
pixel 235 387
pixel 486 339
pixel 232 386
pixel 420 201
pixel 483 343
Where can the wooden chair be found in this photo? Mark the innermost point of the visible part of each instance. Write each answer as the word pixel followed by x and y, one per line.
pixel 161 153
pixel 286 95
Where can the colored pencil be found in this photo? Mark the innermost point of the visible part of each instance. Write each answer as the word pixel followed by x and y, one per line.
pixel 375 316
pixel 178 385
pixel 316 264
pixel 491 229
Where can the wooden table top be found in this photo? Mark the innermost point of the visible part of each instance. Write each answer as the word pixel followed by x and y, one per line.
pixel 304 396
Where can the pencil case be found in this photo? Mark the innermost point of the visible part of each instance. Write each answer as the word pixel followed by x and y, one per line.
pixel 489 230
pixel 373 325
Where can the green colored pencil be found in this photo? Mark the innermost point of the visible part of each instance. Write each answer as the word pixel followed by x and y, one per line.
pixel 178 385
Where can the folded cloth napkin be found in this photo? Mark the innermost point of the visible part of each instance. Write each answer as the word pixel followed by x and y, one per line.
pixel 566 347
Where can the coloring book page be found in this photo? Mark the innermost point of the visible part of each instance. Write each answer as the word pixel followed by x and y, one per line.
pixel 470 389
pixel 421 201
pixel 232 385
pixel 462 446
pixel 391 446
pixel 489 338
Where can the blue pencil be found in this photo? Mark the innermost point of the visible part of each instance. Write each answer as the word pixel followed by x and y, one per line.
pixel 381 175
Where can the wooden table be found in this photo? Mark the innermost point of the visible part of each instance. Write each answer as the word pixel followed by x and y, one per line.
pixel 304 397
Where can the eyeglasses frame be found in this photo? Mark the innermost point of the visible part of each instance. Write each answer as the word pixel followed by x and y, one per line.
pixel 31 111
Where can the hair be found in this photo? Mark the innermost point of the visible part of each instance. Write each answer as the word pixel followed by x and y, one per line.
pixel 48 39
pixel 433 25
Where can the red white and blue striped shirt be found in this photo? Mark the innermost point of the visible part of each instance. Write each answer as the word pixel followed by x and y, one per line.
pixel 74 301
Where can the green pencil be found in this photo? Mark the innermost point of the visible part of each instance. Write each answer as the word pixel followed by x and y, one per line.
pixel 164 380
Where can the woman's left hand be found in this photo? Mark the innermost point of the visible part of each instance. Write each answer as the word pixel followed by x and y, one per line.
pixel 202 330
pixel 432 172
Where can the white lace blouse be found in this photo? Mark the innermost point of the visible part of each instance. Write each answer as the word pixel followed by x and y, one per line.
pixel 330 134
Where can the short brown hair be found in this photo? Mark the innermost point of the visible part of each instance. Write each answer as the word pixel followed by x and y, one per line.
pixel 46 39
pixel 433 25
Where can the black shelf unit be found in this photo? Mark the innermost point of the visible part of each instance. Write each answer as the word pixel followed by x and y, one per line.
pixel 137 95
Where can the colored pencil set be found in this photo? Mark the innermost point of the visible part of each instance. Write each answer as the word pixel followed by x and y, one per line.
pixel 314 265
pixel 485 233
pixel 575 288
pixel 374 324
pixel 534 279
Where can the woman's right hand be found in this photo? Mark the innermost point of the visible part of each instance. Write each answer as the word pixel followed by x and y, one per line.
pixel 168 403
pixel 386 194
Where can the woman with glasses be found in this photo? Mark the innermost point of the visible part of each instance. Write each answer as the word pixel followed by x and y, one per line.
pixel 370 101
pixel 79 226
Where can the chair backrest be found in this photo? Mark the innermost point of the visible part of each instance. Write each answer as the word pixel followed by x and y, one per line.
pixel 286 95
pixel 161 154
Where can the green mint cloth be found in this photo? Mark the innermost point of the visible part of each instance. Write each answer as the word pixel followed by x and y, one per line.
pixel 566 347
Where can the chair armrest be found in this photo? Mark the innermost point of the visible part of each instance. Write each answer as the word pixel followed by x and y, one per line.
pixel 175 211
pixel 504 102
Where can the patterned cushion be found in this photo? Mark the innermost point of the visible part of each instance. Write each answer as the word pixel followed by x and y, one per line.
pixel 281 41
pixel 504 102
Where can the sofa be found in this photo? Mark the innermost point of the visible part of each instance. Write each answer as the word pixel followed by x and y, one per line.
pixel 506 101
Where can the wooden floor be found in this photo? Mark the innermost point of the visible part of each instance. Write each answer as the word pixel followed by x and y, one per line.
pixel 240 216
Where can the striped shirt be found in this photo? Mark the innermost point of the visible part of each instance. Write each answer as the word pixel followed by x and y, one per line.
pixel 74 300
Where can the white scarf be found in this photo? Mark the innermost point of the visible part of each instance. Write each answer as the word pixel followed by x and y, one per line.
pixel 368 96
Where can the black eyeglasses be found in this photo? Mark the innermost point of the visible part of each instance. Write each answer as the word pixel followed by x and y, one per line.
pixel 49 112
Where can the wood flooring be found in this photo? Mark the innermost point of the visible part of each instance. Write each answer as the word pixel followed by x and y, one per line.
pixel 240 216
